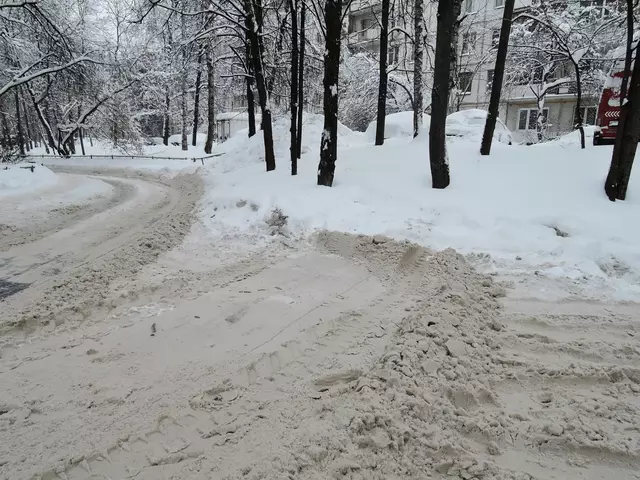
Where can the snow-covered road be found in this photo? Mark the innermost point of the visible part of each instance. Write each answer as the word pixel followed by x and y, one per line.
pixel 142 346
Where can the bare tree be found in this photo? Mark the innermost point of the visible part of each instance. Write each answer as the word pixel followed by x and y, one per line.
pixel 329 141
pixel 211 104
pixel 293 6
pixel 301 78
pixel 382 83
pixel 418 54
pixel 440 94
pixel 498 77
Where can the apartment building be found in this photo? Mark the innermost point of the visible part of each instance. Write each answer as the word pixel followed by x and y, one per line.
pixel 479 36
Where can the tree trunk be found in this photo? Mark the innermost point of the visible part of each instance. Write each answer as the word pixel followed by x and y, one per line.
pixel 629 52
pixel 578 121
pixel 183 81
pixel 453 53
pixel 253 30
pixel 418 54
pixel 627 137
pixel 293 6
pixel 19 124
pixel 196 100
pixel 329 141
pixel 28 143
pixel 301 79
pixel 251 102
pixel 540 124
pixel 498 78
pixel 440 94
pixel 165 123
pixel 382 81
pixel 211 105
pixel 5 129
pixel 80 134
pixel 43 121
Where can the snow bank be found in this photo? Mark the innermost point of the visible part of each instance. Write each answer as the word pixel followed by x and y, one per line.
pixel 397 125
pixel 241 151
pixel 18 179
pixel 537 208
pixel 573 138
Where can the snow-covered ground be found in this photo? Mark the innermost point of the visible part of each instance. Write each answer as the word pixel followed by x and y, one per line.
pixel 138 340
pixel 533 209
pixel 16 179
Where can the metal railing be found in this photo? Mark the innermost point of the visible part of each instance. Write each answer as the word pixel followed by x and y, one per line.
pixel 129 157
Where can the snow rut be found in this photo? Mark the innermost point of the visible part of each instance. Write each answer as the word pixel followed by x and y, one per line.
pixel 70 284
pixel 411 370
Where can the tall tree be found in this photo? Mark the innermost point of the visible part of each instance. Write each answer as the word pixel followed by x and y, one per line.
pixel 383 79
pixel 196 98
pixel 251 102
pixel 301 77
pixel 211 104
pixel 183 79
pixel 440 93
pixel 19 123
pixel 498 77
pixel 418 54
pixel 253 19
pixel 329 141
pixel 293 6
pixel 627 137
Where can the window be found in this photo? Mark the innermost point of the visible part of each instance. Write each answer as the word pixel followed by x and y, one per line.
pixel 528 118
pixel 490 80
pixel 468 43
pixel 588 115
pixel 365 23
pixel 466 79
pixel 499 3
pixel 468 5
pixel 495 37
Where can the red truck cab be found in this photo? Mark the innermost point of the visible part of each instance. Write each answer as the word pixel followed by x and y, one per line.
pixel 609 108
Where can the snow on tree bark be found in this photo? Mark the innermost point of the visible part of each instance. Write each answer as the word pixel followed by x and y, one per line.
pixel 440 93
pixel 382 83
pixel 418 54
pixel 329 141
pixel 498 77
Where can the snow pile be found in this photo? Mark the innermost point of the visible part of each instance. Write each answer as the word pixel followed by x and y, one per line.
pixel 397 125
pixel 241 151
pixel 470 124
pixel 17 179
pixel 528 209
pixel 573 138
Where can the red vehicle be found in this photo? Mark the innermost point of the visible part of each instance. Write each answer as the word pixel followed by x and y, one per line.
pixel 609 108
